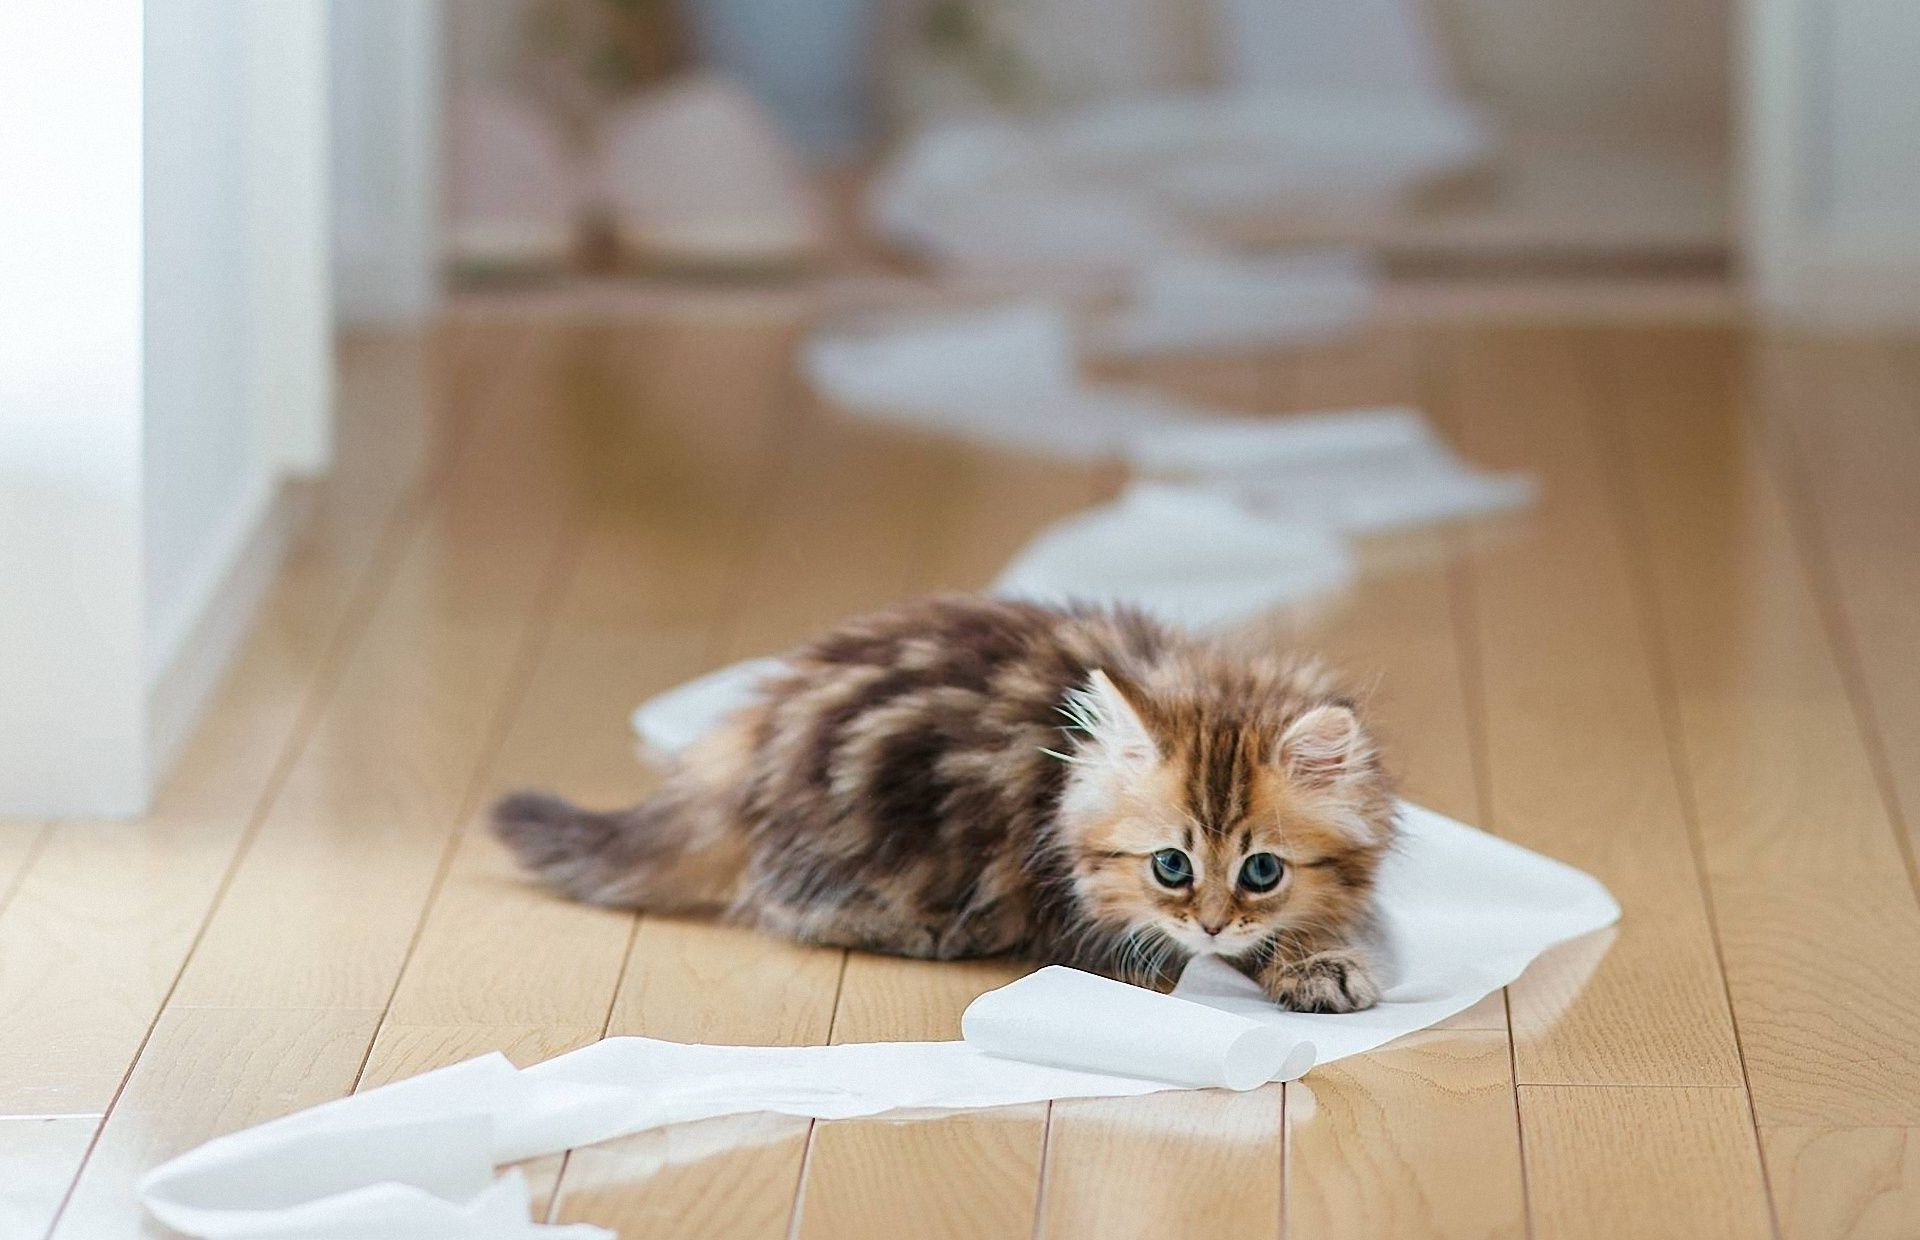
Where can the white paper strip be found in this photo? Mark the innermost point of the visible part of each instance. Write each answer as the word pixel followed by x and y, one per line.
pixel 1071 1019
pixel 669 722
pixel 1357 471
pixel 1007 377
pixel 1462 914
pixel 683 714
pixel 1193 558
pixel 1211 301
pixel 1144 174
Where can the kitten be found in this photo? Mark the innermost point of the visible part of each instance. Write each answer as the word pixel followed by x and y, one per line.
pixel 969 777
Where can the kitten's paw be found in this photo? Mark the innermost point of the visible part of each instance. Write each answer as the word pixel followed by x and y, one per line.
pixel 1328 982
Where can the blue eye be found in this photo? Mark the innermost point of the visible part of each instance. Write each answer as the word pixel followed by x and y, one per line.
pixel 1173 868
pixel 1261 872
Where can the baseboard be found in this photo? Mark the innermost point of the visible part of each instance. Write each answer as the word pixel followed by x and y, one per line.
pixel 1844 287
pixel 193 653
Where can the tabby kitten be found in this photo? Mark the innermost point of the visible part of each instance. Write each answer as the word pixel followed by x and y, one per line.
pixel 969 777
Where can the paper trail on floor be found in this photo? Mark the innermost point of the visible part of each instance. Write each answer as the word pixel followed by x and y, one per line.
pixel 670 722
pixel 1008 377
pixel 1194 558
pixel 1216 302
pixel 1357 471
pixel 1148 175
pixel 1461 913
pixel 683 714
pixel 1069 1019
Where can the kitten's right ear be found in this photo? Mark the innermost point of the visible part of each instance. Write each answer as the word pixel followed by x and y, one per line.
pixel 1324 746
pixel 1106 709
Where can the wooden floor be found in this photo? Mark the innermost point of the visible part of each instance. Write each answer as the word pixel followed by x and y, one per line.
pixel 1692 670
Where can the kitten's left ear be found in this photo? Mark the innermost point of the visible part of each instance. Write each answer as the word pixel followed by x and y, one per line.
pixel 1324 746
pixel 1107 708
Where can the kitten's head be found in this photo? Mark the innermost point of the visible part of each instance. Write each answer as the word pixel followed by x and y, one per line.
pixel 1218 815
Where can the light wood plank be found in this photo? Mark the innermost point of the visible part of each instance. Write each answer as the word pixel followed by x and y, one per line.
pixel 38 1159
pixel 1186 1163
pixel 693 982
pixel 1416 1139
pixel 854 520
pixel 496 950
pixel 100 924
pixel 1399 632
pixel 876 1177
pixel 205 1072
pixel 1818 919
pixel 1161 1136
pixel 972 1174
pixel 1648 1163
pixel 338 872
pixel 1843 421
pixel 672 485
pixel 429 603
pixel 1845 1183
pixel 1668 590
pixel 19 842
pixel 1578 760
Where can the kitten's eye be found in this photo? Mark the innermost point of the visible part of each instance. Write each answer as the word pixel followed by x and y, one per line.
pixel 1173 868
pixel 1261 872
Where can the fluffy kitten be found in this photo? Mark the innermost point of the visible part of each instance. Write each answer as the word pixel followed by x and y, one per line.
pixel 968 777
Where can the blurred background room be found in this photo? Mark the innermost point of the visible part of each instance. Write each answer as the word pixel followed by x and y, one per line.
pixel 395 394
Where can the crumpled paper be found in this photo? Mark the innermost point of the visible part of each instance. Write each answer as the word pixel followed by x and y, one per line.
pixel 1461 914
pixel 1141 177
pixel 1238 514
pixel 1192 557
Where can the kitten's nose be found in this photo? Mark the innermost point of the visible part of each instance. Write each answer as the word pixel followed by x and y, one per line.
pixel 1213 928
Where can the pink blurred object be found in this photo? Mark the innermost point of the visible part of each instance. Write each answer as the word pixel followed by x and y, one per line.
pixel 696 174
pixel 515 192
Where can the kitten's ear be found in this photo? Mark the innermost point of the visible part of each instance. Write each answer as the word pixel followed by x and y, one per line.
pixel 1323 746
pixel 1112 717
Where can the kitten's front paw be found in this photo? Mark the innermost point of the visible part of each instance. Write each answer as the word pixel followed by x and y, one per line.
pixel 1327 982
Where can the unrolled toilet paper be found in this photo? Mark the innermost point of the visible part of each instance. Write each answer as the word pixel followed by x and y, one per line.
pixel 1461 913
pixel 1070 1019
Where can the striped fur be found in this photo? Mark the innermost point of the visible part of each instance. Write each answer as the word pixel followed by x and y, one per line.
pixel 967 777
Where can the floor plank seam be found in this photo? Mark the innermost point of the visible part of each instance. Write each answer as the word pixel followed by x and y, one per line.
pixel 722 639
pixel 813 1125
pixel 1782 453
pixel 1040 1176
pixel 43 836
pixel 1463 611
pixel 405 522
pixel 1626 506
pixel 544 612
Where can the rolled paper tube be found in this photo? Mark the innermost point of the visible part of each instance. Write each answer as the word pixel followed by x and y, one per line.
pixel 1070 1019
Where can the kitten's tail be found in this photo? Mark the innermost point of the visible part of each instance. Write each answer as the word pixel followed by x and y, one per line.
pixel 659 855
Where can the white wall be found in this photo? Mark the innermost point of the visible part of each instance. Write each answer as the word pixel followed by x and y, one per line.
pixel 239 323
pixel 72 667
pixel 387 174
pixel 290 219
pixel 209 474
pixel 1832 145
pixel 165 358
pixel 1645 69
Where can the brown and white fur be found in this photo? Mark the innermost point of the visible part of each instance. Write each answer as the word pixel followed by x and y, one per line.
pixel 970 777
